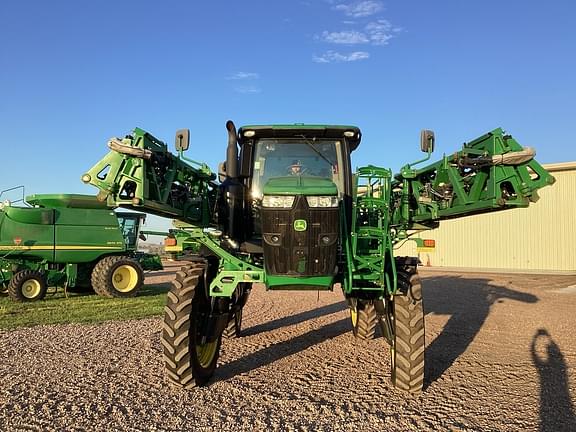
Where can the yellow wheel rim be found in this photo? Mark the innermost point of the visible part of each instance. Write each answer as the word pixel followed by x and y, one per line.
pixel 354 316
pixel 125 278
pixel 31 288
pixel 206 353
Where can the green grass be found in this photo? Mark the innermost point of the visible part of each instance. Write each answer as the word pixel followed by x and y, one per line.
pixel 81 308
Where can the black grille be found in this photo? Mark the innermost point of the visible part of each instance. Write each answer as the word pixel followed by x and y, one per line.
pixel 300 253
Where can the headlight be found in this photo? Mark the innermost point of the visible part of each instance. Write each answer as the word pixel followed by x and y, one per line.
pixel 278 201
pixel 322 201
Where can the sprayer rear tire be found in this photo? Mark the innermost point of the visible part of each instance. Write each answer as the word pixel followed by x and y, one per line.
pixel 117 276
pixel 234 326
pixel 27 286
pixel 240 298
pixel 407 351
pixel 187 362
pixel 364 318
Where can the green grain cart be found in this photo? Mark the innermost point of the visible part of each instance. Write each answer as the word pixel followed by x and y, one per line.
pixel 73 241
pixel 290 213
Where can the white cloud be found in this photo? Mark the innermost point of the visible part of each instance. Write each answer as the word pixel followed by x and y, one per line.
pixel 360 9
pixel 381 31
pixel 375 33
pixel 336 57
pixel 243 76
pixel 344 37
pixel 249 89
pixel 359 30
pixel 248 80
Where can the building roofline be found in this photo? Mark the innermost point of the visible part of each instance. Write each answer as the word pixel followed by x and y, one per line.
pixel 560 166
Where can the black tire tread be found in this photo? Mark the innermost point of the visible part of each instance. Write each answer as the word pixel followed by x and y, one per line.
pixel 15 285
pixel 367 320
pixel 175 330
pixel 234 327
pixel 408 365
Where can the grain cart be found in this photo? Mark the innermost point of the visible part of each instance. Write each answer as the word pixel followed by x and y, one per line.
pixel 291 214
pixel 70 240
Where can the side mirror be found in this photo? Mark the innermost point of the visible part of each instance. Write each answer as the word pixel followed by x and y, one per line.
pixel 182 139
pixel 427 141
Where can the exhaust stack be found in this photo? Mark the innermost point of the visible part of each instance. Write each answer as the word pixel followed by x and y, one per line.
pixel 232 193
pixel 232 151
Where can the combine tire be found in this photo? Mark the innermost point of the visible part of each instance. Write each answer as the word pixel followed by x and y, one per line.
pixel 407 349
pixel 27 285
pixel 234 326
pixel 117 276
pixel 364 318
pixel 188 361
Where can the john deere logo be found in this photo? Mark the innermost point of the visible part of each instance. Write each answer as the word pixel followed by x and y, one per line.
pixel 300 225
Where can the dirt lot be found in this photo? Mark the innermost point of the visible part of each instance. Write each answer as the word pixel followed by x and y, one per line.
pixel 501 355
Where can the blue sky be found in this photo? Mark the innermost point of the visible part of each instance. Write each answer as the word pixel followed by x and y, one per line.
pixel 75 73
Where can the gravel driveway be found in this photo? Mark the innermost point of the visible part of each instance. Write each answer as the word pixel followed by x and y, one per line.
pixel 501 356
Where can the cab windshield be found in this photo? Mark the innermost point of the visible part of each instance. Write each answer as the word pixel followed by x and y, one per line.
pixel 129 225
pixel 281 157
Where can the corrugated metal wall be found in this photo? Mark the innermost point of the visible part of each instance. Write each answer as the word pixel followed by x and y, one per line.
pixel 541 237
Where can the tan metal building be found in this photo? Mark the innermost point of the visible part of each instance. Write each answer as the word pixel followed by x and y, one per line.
pixel 540 238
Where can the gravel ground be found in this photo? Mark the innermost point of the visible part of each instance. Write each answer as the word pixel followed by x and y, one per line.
pixel 500 353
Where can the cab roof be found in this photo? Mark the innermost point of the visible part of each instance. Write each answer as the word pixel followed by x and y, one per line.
pixel 298 129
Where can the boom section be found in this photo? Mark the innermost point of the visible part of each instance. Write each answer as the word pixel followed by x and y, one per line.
pixel 490 173
pixel 140 173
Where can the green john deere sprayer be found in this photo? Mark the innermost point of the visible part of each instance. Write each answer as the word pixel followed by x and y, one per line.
pixel 289 213
pixel 73 241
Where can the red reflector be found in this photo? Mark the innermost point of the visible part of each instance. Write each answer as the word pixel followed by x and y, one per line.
pixel 429 243
pixel 169 241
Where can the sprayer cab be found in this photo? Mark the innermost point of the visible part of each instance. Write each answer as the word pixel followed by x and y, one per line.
pixel 296 150
pixel 282 197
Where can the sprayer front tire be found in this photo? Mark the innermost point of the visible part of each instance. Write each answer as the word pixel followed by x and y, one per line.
pixel 27 286
pixel 117 276
pixel 363 317
pixel 407 350
pixel 188 362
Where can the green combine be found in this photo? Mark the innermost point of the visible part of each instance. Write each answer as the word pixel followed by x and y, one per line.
pixel 73 241
pixel 290 213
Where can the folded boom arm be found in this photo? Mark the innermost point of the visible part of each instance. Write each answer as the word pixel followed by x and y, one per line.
pixel 140 173
pixel 490 173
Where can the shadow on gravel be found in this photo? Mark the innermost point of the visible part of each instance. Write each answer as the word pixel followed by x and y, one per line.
pixel 295 319
pixel 468 302
pixel 556 410
pixel 280 350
